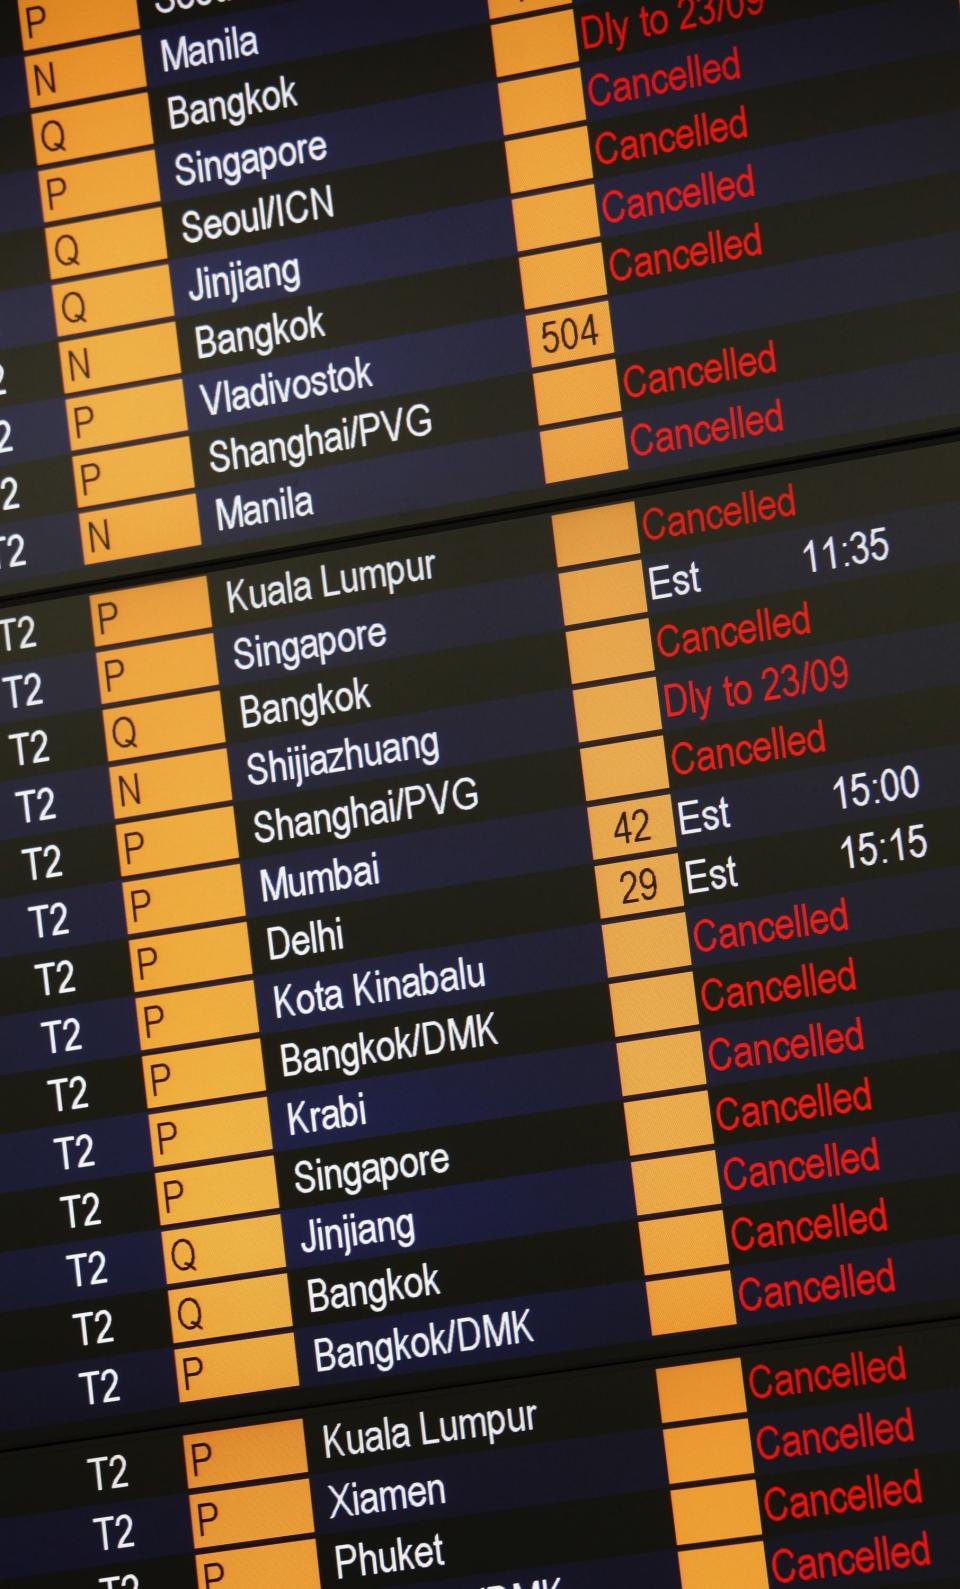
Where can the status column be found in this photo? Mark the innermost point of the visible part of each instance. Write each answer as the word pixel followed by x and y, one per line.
pixel 563 280
pixel 209 1120
pixel 251 1509
pixel 710 1466
pixel 112 293
pixel 676 1180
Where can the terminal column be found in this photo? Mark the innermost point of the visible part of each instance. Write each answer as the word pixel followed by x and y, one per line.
pixel 196 1007
pixel 251 1508
pixel 563 280
pixel 112 293
pixel 713 1490
pixel 646 944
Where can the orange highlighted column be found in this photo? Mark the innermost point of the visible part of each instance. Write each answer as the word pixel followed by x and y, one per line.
pixel 107 253
pixel 231 1323
pixel 640 900
pixel 563 281
pixel 251 1510
pixel 713 1488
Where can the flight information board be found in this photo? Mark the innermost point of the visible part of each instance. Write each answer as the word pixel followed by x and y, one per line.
pixel 479 752
pixel 497 948
pixel 811 1463
pixel 274 272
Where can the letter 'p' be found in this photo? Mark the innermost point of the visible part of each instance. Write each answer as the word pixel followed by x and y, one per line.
pixel 200 1452
pixel 34 17
pixel 165 1132
pixel 113 668
pixel 207 1513
pixel 152 1016
pixel 146 957
pixel 159 1076
pixel 192 1368
pixel 56 187
pixel 107 612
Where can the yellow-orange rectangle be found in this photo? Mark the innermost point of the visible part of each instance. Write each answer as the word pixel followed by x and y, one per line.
pixel 653 1004
pixel 210 1131
pixel 179 841
pixel 89 131
pixel 657 943
pixel 86 71
pixel 153 728
pixel 144 470
pixel 720 1567
pixel 609 651
pixel 98 303
pixel 596 535
pixel 115 182
pixel 549 99
pixel 577 391
pixel 547 159
pixel 565 215
pixel 111 242
pixel 184 899
pixel 562 336
pixel 635 887
pixel 183 959
pixel 239 1456
pixel 626 765
pixel 197 1015
pixel 193 1075
pixel 715 1450
pixel 562 276
pixel 620 828
pixel 683 1241
pixel 292 1564
pixel 612 590
pixel 669 1124
pixel 518 8
pixel 709 1512
pixel 701 1390
pixel 702 1301
pixel 140 529
pixel 532 44
pixel 224 1308
pixel 597 446
pixel 255 1511
pixel 161 667
pixel 654 1064
pixel 614 711
pixel 217 1191
pixel 104 418
pixel 142 788
pixel 147 612
pixel 237 1368
pixel 63 21
pixel 676 1182
pixel 115 358
pixel 228 1247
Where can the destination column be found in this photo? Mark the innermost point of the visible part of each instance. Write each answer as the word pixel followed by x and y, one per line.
pixel 113 302
pixel 645 939
pixel 196 1007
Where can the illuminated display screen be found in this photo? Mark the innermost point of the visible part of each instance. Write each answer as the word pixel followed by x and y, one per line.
pixel 412 261
pixel 831 1461
pixel 479 1102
